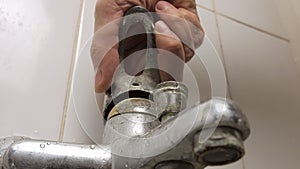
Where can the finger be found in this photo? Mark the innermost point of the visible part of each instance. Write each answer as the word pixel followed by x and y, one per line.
pixel 188 10
pixel 108 10
pixel 105 60
pixel 184 23
pixel 190 5
pixel 105 12
pixel 104 55
pixel 195 26
pixel 106 70
pixel 169 45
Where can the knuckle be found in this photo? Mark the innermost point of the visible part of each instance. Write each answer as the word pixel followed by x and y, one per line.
pixel 198 37
pixel 189 53
pixel 174 45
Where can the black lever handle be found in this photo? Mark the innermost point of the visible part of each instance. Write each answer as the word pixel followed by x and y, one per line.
pixel 139 15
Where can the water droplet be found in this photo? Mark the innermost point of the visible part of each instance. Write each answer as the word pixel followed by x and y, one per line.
pixel 36 131
pixel 48 143
pixel 92 147
pixel 42 145
pixel 126 165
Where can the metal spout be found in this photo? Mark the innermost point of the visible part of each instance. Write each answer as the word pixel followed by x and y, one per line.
pixel 25 153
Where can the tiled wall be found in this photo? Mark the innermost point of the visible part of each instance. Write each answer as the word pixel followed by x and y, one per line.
pixel 257 40
pixel 36 47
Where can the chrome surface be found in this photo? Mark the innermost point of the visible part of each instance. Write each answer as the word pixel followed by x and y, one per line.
pixel 130 125
pixel 170 98
pixel 174 165
pixel 5 144
pixel 36 154
pixel 216 115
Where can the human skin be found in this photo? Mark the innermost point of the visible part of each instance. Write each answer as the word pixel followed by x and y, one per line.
pixel 170 33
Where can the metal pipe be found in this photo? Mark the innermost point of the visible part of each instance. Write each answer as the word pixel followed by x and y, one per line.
pixel 37 154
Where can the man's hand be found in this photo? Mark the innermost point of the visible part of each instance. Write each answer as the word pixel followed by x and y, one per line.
pixel 171 32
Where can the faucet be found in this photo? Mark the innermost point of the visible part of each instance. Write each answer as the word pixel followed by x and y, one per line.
pixel 147 124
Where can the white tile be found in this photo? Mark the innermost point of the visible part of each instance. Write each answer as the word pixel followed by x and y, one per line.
pixel 264 81
pixel 235 165
pixel 208 21
pixel 205 3
pixel 77 128
pixel 290 15
pixel 259 13
pixel 36 40
pixel 196 65
pixel 74 132
pixel 210 49
pixel 84 122
pixel 87 23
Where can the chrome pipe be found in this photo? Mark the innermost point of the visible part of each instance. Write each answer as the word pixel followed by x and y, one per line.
pixel 37 154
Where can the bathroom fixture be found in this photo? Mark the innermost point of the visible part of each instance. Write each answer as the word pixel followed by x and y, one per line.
pixel 148 125
pixel 224 146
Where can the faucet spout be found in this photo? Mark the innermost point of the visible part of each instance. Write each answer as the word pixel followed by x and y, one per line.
pixel 24 153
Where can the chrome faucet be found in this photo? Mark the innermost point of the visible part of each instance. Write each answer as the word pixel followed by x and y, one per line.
pixel 147 125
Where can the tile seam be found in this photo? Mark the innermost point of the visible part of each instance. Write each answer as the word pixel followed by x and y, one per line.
pixel 228 88
pixel 246 24
pixel 243 163
pixel 71 71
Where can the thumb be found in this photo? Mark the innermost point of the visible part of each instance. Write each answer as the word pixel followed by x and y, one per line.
pixel 171 53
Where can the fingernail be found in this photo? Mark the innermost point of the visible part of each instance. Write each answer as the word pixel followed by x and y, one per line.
pixel 161 5
pixel 161 27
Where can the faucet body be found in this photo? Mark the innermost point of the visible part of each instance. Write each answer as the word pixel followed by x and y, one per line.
pixel 224 146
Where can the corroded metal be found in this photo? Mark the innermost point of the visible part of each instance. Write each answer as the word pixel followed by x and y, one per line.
pixel 224 146
pixel 170 98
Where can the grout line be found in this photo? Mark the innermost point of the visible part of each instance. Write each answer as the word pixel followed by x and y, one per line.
pixel 203 7
pixel 71 71
pixel 243 163
pixel 255 28
pixel 222 50
pixel 245 24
